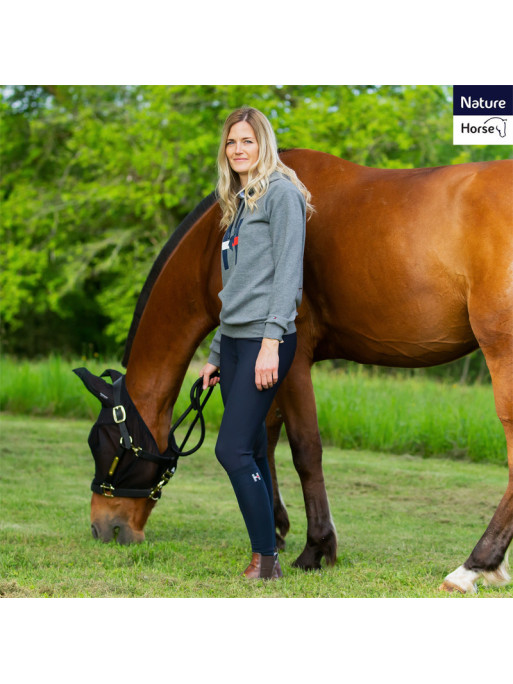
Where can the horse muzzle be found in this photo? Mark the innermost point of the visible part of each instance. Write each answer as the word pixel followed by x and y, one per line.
pixel 115 531
pixel 121 520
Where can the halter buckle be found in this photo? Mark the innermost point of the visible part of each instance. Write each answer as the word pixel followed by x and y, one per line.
pixel 158 488
pixel 107 490
pixel 122 413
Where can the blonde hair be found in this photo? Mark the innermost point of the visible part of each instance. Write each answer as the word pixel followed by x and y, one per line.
pixel 228 184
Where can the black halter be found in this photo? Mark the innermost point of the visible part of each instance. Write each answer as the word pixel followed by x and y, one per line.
pixel 167 461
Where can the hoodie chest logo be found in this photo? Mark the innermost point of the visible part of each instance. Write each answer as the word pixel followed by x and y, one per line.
pixel 232 242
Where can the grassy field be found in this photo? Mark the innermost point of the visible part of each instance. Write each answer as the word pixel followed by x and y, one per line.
pixel 356 410
pixel 403 523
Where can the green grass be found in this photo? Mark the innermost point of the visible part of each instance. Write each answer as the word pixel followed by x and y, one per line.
pixel 362 410
pixel 403 523
pixel 358 409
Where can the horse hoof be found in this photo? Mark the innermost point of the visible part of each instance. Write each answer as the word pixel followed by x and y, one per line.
pixel 314 551
pixel 461 580
pixel 307 567
pixel 308 560
pixel 450 588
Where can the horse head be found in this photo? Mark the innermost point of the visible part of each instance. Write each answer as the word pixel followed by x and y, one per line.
pixel 129 470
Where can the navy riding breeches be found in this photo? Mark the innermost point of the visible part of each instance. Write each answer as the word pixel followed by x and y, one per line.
pixel 242 442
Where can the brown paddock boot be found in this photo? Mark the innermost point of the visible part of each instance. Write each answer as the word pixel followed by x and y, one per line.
pixel 263 567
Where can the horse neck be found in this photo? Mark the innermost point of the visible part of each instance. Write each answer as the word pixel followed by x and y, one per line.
pixel 181 310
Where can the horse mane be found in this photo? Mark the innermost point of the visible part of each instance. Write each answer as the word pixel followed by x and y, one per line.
pixel 160 261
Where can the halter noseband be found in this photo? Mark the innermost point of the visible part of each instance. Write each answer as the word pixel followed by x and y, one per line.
pixel 168 460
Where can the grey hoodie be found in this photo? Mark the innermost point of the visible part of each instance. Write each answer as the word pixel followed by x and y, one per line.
pixel 262 266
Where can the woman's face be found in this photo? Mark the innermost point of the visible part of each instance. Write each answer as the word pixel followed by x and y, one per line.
pixel 242 149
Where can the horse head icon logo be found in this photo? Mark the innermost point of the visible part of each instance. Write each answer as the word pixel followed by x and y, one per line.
pixel 500 124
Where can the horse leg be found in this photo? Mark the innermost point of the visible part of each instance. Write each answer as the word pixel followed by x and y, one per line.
pixel 274 422
pixel 488 560
pixel 296 400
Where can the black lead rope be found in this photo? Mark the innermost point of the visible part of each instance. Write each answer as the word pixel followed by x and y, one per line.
pixel 195 405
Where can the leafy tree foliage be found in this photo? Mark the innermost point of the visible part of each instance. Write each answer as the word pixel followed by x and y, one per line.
pixel 95 178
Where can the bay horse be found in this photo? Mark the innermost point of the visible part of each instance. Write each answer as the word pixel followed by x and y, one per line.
pixel 402 268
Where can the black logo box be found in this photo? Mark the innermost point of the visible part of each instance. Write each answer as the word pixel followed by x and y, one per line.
pixel 475 100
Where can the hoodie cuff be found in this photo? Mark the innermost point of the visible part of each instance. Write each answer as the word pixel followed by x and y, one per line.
pixel 273 331
pixel 215 359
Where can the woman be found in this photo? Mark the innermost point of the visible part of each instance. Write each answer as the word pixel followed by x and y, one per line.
pixel 264 209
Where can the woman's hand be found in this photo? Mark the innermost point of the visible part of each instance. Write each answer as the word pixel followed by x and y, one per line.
pixel 205 373
pixel 266 367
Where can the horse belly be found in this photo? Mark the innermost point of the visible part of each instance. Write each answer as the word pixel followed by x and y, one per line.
pixel 393 304
pixel 400 334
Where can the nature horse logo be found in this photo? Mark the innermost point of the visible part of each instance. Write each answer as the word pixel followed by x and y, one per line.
pixel 501 127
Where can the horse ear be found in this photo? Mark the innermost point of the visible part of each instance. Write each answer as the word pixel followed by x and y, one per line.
pixel 101 389
pixel 112 374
